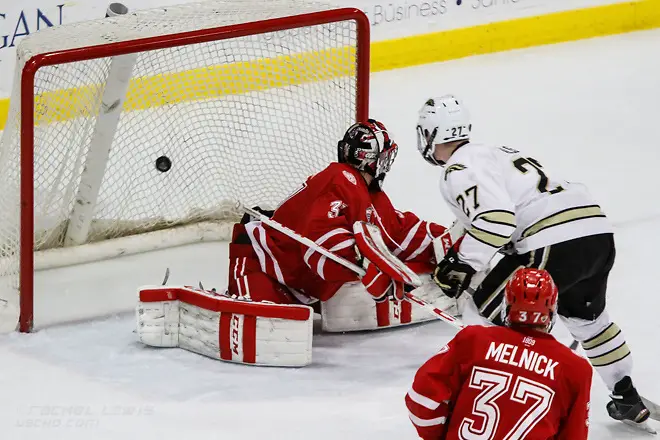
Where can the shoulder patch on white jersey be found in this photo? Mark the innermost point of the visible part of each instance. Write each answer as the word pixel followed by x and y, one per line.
pixel 452 168
pixel 350 177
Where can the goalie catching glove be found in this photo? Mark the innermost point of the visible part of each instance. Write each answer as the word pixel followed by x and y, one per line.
pixel 380 285
pixel 452 275
pixel 386 274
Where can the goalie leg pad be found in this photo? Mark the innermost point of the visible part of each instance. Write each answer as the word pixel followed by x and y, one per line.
pixel 224 328
pixel 158 322
pixel 353 309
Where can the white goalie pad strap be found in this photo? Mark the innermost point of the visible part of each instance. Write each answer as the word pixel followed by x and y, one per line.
pixel 158 322
pixel 228 329
pixel 353 309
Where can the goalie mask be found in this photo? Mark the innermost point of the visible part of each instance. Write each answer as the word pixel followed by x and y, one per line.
pixel 367 147
pixel 441 120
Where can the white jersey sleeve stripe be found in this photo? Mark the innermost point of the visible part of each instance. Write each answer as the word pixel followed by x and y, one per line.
pixel 408 239
pixel 422 247
pixel 320 265
pixel 417 421
pixel 423 400
pixel 343 245
pixel 322 239
pixel 384 231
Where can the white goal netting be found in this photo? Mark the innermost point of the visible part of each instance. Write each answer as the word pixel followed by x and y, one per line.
pixel 240 119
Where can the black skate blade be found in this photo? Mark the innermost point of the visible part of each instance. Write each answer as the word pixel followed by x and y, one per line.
pixel 653 408
pixel 643 426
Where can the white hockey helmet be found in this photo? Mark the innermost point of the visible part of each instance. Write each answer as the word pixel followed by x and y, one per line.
pixel 441 120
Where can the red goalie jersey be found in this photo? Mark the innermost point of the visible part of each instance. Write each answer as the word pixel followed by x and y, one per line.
pixel 324 210
pixel 497 383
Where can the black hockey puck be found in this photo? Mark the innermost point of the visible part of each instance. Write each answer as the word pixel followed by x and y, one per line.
pixel 163 164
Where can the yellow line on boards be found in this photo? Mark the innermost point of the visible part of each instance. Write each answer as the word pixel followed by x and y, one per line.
pixel 236 78
pixel 515 34
pixel 202 83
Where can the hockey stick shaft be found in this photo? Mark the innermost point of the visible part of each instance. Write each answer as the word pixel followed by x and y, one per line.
pixel 354 267
pixel 449 319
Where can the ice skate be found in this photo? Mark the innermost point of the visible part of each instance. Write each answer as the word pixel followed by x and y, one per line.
pixel 627 406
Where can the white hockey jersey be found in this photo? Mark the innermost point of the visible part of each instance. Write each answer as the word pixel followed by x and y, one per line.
pixel 502 197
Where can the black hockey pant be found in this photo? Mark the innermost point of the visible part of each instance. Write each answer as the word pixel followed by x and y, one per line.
pixel 579 267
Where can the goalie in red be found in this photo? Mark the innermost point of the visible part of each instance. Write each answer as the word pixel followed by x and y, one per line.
pixel 264 317
pixel 266 265
pixel 509 382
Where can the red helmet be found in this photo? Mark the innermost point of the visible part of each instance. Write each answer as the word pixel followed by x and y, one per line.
pixel 530 298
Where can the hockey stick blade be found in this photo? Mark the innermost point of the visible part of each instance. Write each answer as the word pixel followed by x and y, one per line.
pixel 653 408
pixel 642 426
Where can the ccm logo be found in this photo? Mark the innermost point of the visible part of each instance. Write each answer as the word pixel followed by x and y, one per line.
pixel 235 324
pixel 396 309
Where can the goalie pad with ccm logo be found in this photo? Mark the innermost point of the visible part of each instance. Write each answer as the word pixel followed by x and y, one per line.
pixel 224 328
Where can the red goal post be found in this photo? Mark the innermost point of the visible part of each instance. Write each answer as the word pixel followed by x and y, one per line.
pixel 31 110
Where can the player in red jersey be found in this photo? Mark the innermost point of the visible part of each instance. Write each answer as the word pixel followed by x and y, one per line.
pixel 514 382
pixel 266 265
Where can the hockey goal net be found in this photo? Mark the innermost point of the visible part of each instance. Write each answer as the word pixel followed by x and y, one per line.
pixel 149 127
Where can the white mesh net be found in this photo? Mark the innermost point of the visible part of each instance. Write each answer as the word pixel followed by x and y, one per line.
pixel 242 119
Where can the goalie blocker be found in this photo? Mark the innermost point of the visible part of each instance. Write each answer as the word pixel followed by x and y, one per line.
pixel 224 328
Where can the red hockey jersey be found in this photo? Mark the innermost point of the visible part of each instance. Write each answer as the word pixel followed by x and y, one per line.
pixel 501 384
pixel 324 209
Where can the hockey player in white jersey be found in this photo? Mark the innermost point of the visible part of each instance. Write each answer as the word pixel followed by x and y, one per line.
pixel 508 203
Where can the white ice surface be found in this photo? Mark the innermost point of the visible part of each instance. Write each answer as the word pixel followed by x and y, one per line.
pixel 587 109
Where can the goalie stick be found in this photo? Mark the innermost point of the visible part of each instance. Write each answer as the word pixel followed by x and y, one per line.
pixel 449 319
